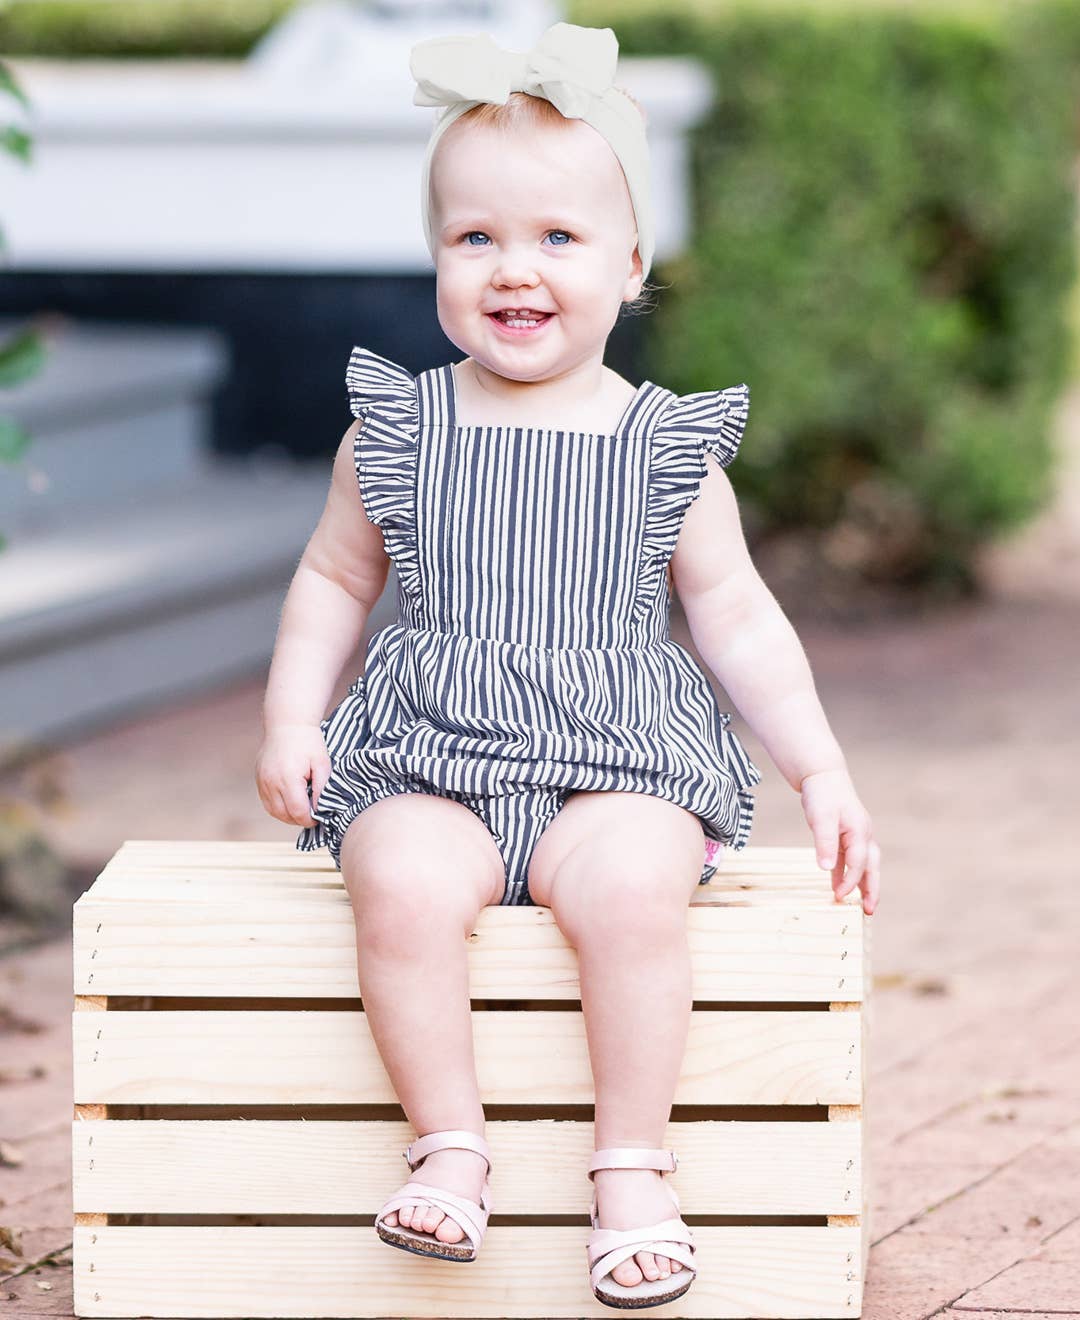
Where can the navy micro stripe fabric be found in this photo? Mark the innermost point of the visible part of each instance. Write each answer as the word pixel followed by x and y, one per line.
pixel 532 657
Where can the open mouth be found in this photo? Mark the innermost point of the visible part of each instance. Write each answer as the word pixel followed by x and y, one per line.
pixel 520 323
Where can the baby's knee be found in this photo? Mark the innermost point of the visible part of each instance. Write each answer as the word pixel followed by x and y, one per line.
pixel 608 893
pixel 411 862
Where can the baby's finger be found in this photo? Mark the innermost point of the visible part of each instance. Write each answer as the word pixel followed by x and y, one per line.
pixel 837 877
pixel 278 809
pixel 855 857
pixel 297 805
pixel 826 833
pixel 318 783
pixel 872 881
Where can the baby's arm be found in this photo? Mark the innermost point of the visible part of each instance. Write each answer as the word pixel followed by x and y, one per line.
pixel 748 642
pixel 340 576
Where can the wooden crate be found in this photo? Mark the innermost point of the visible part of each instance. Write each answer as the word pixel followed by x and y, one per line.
pixel 235 1131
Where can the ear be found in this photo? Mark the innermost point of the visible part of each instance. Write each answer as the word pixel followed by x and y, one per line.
pixel 635 277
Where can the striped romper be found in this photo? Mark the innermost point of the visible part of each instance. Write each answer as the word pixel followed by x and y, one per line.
pixel 532 656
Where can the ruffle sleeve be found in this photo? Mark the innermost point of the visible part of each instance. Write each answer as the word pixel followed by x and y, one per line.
pixel 383 395
pixel 688 428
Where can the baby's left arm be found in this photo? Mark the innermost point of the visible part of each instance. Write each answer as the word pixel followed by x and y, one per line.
pixel 750 645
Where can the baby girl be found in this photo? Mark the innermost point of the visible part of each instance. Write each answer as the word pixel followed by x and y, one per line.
pixel 528 732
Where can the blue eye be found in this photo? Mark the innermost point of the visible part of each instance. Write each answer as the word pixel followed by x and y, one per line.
pixel 560 234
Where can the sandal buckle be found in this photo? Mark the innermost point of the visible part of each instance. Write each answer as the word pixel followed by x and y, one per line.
pixel 674 1161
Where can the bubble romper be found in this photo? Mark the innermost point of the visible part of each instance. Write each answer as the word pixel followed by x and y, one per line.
pixel 532 656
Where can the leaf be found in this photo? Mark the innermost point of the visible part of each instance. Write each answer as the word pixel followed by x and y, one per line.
pixel 14 441
pixel 9 85
pixel 21 357
pixel 15 142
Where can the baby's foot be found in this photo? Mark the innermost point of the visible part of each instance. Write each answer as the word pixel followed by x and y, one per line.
pixel 451 1170
pixel 628 1198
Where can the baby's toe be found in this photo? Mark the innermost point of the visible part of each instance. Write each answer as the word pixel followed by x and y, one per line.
pixel 427 1218
pixel 449 1230
pixel 653 1266
pixel 627 1273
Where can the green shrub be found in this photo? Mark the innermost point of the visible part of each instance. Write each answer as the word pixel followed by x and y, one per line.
pixel 884 247
pixel 142 28
pixel 22 352
pixel 883 244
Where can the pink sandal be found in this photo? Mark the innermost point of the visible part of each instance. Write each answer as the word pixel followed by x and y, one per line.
pixel 467 1214
pixel 607 1248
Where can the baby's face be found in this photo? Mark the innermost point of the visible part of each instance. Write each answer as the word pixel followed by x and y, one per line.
pixel 536 218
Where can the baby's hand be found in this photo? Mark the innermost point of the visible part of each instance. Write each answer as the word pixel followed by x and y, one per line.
pixel 292 754
pixel 843 834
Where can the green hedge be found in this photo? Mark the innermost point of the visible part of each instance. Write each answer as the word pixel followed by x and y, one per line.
pixel 884 247
pixel 138 28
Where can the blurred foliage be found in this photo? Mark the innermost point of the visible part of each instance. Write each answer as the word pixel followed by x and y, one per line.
pixel 884 244
pixel 137 28
pixel 23 353
pixel 885 248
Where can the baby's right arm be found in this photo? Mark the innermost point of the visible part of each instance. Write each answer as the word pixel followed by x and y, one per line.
pixel 340 576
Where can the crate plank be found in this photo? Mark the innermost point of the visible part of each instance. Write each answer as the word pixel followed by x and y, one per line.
pixel 525 1271
pixel 536 1058
pixel 240 1166
pixel 304 945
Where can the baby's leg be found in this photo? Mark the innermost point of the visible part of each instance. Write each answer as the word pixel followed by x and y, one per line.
pixel 618 871
pixel 418 869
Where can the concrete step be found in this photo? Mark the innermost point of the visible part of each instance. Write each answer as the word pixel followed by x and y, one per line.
pixel 116 410
pixel 149 597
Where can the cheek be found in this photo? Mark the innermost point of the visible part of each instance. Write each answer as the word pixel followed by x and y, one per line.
pixel 456 282
pixel 447 297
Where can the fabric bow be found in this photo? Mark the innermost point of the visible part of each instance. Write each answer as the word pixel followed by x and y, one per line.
pixel 569 66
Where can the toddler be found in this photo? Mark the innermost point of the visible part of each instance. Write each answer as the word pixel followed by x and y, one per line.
pixel 528 732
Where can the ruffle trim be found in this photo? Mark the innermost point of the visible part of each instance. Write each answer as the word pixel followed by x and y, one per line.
pixel 383 394
pixel 689 427
pixel 329 833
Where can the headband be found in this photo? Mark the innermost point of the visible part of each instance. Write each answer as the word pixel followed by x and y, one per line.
pixel 570 66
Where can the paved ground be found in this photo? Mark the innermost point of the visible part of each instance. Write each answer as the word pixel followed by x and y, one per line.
pixel 962 734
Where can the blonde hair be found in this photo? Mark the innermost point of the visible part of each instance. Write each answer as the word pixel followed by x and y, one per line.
pixel 523 108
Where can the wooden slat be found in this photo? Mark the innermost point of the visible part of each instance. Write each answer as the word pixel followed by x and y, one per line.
pixel 536 1058
pixel 290 944
pixel 195 883
pixel 169 850
pixel 521 1271
pixel 769 870
pixel 240 1166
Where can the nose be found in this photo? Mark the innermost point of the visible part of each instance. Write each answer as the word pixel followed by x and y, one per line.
pixel 515 269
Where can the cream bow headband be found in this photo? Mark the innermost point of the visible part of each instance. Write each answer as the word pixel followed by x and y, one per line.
pixel 572 67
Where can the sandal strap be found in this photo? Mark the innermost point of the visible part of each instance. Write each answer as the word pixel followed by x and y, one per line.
pixel 608 1247
pixel 458 1138
pixel 466 1214
pixel 634 1157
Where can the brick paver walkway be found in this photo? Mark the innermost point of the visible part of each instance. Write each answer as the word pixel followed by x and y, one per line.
pixel 962 734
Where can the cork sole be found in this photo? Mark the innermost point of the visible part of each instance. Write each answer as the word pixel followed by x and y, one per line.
pixel 425 1244
pixel 649 1292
